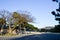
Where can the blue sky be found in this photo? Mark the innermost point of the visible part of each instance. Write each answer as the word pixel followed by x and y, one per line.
pixel 40 9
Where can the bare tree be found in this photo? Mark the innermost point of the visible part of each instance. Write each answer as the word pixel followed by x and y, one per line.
pixel 6 16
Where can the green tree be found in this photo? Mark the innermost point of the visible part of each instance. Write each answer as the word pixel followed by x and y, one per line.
pixel 30 27
pixel 16 19
pixel 2 22
pixel 19 19
pixel 57 28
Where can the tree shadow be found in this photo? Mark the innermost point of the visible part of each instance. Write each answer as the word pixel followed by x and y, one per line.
pixel 39 37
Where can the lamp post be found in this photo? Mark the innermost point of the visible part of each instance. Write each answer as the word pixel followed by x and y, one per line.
pixel 57 13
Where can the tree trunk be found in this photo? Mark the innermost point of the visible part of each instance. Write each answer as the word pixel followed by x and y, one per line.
pixel 10 30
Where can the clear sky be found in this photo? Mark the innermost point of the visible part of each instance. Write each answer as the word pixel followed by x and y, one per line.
pixel 40 9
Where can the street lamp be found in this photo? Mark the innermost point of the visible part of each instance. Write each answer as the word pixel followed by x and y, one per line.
pixel 57 15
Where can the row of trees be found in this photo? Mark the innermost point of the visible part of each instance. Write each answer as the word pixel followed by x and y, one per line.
pixel 16 21
pixel 55 29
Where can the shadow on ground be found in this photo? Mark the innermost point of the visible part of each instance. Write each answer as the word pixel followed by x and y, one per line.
pixel 39 37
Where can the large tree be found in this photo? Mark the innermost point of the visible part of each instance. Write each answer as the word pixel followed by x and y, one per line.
pixel 5 15
pixel 15 18
pixel 21 19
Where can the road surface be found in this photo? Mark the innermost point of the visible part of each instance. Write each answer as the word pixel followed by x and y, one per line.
pixel 44 36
